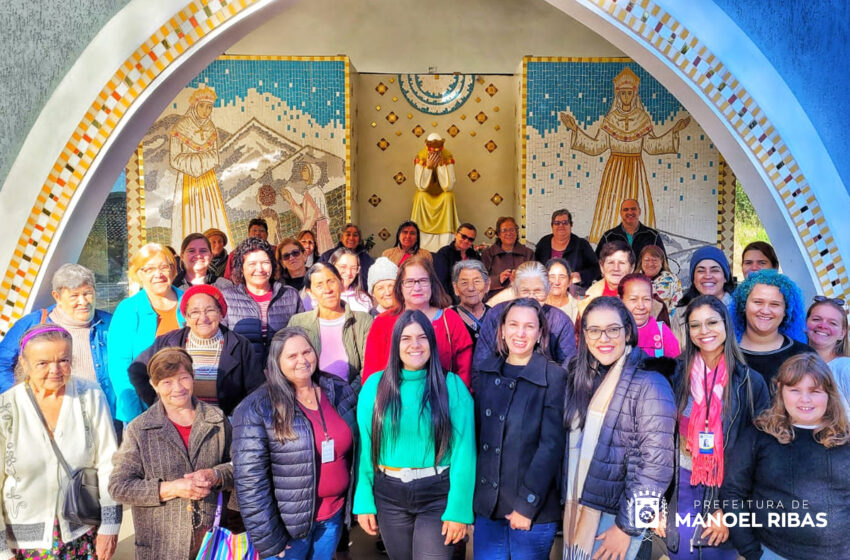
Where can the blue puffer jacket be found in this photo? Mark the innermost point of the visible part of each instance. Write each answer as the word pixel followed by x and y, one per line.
pixel 634 453
pixel 282 507
pixel 243 314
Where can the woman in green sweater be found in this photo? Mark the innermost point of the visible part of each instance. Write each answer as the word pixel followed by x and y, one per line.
pixel 417 455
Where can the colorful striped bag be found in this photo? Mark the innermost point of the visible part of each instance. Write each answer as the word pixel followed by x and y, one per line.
pixel 221 544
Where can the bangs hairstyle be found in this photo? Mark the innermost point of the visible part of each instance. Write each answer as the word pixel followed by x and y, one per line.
pixel 435 397
pixel 439 298
pixel 776 421
pixel 409 223
pixel 242 250
pixel 281 391
pixel 541 345
pixel 842 345
pixel 615 247
pixel 145 254
pixel 793 323
pixel 654 251
pixel 584 375
pixel 319 267
pixel 731 352
pixel 53 333
pixel 633 277
pixel 168 362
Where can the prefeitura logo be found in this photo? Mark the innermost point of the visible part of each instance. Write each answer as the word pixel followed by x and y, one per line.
pixel 646 508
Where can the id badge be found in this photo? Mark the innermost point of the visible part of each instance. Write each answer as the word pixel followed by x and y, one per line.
pixel 706 443
pixel 328 451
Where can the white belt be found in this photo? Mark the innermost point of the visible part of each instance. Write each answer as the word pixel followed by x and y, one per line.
pixel 410 474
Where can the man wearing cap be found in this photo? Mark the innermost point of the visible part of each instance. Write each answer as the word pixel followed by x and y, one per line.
pixel 218 240
pixel 434 208
pixel 630 230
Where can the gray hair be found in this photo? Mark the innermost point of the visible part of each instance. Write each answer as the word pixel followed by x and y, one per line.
pixel 470 264
pixel 530 269
pixel 71 276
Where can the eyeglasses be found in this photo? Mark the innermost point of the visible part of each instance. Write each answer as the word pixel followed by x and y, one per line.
pixel 196 313
pixel 410 282
pixel 612 332
pixel 507 229
pixel 561 223
pixel 163 268
pixel 821 299
pixel 467 238
pixel 711 324
pixel 292 254
pixel 538 293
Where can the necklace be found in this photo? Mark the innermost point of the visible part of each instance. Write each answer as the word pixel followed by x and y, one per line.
pixel 307 400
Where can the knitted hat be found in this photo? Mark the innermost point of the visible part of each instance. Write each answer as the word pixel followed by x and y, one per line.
pixel 382 269
pixel 214 231
pixel 211 291
pixel 713 254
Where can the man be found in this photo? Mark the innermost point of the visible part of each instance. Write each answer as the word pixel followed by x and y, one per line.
pixel 460 249
pixel 630 230
pixel 350 237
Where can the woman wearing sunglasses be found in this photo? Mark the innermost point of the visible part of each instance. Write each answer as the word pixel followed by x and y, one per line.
pixel 292 259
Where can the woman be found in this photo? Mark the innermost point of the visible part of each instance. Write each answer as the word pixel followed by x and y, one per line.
pixel 559 288
pixel 620 418
pixel 293 449
pixel 139 319
pixel 51 405
pixel 311 249
pixel 347 263
pixel 173 493
pixel 75 296
pixel 218 262
pixel 406 244
pixel 417 455
pixel 654 336
pixel 258 306
pixel 796 458
pixel 224 366
pixel 758 255
pixel 292 260
pixel 563 243
pixel 616 260
pixel 714 388
pixel 381 282
pixel 769 321
pixel 652 262
pixel 505 255
pixel 337 332
pixel 710 275
pixel 470 281
pixel 826 331
pixel 519 405
pixel 417 287
pixel 195 258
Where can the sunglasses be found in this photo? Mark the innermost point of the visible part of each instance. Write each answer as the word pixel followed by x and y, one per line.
pixel 467 238
pixel 289 255
pixel 821 299
pixel 561 223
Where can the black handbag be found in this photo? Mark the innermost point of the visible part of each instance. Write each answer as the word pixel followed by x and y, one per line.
pixel 80 494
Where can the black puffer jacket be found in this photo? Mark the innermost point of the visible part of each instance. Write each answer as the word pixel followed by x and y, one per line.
pixel 243 314
pixel 281 507
pixel 634 452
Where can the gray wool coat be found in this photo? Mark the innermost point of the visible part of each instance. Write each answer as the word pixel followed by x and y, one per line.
pixel 152 452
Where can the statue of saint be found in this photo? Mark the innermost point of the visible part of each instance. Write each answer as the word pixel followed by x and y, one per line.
pixel 627 131
pixel 434 208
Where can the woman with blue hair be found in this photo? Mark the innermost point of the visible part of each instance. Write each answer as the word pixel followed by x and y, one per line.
pixel 770 321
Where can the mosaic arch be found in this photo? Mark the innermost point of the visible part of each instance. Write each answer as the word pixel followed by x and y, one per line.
pixel 649 26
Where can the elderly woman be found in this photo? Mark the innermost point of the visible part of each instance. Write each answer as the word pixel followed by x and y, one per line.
pixel 174 458
pixel 139 319
pixel 559 288
pixel 50 405
pixel 293 449
pixel 350 237
pixel 382 277
pixel 654 336
pixel 292 262
pixel 406 244
pixel 224 365
pixel 218 261
pixel 616 260
pixel 652 262
pixel 563 243
pixel 258 305
pixel 338 333
pixel 531 280
pixel 195 260
pixel 470 281
pixel 74 292
pixel 505 255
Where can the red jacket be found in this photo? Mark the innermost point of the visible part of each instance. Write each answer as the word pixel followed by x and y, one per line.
pixel 454 346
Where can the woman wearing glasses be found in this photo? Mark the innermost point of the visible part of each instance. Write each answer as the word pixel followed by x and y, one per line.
pixel 620 419
pixel 417 287
pixel 347 263
pixel 505 255
pixel 292 259
pixel 563 243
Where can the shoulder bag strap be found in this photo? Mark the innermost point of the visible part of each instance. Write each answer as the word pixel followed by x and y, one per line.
pixel 43 316
pixel 49 433
pixel 448 332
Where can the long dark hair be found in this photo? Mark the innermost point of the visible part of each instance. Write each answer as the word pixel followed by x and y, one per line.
pixel 435 398
pixel 415 248
pixel 585 373
pixel 542 345
pixel 281 392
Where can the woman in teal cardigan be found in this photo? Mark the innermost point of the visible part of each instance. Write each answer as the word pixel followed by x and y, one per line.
pixel 139 319
pixel 416 471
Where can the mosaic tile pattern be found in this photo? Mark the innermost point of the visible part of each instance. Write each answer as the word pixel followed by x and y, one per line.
pixel 726 209
pixel 135 189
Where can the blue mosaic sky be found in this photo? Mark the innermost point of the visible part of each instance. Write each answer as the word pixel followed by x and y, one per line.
pixel 314 87
pixel 587 89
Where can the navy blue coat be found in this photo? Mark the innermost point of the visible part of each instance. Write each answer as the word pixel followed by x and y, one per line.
pixel 276 482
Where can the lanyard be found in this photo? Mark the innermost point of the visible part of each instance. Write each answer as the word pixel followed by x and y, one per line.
pixel 471 316
pixel 321 414
pixel 708 394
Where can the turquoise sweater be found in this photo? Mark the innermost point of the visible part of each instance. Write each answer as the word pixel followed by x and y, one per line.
pixel 414 447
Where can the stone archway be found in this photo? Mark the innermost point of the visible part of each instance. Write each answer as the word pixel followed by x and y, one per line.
pixel 108 129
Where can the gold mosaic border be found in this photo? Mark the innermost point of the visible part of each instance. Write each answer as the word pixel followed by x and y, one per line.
pixel 726 209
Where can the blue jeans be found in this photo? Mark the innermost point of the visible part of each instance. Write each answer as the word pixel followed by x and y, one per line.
pixel 494 539
pixel 319 544
pixel 770 555
pixel 605 523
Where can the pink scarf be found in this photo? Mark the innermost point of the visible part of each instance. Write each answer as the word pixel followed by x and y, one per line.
pixel 707 468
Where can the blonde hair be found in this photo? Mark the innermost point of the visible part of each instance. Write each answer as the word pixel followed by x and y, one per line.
pixel 145 254
pixel 834 429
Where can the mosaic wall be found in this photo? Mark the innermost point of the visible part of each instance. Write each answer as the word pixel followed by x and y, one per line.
pixel 590 171
pixel 274 145
pixel 475 114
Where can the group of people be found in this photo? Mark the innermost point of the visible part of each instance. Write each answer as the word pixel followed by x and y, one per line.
pixel 517 392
